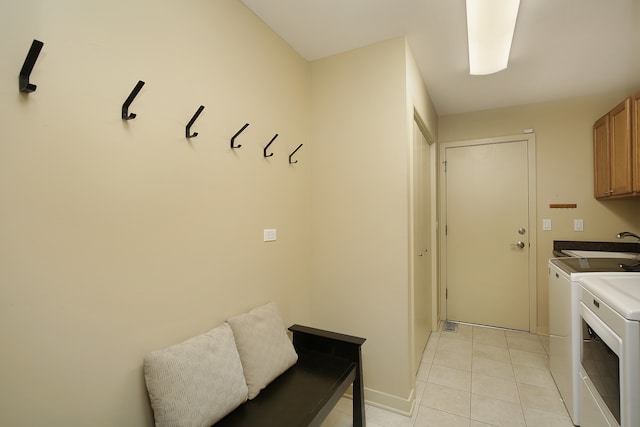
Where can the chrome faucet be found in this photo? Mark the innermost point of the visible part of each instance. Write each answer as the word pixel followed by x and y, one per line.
pixel 627 234
pixel 636 258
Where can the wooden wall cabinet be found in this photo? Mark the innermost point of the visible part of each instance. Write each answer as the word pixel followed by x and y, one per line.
pixel 601 160
pixel 616 164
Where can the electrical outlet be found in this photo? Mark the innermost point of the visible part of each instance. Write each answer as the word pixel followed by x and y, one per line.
pixel 269 234
pixel 546 225
pixel 578 225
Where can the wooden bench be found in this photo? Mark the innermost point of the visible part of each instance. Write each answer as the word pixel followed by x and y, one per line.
pixel 328 363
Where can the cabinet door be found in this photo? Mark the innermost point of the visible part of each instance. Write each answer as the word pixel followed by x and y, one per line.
pixel 620 148
pixel 601 160
pixel 635 149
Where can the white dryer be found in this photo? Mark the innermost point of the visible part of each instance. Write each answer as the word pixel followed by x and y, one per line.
pixel 564 320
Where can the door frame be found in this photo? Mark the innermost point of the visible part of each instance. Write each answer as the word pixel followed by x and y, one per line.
pixel 432 253
pixel 532 208
pixel 434 257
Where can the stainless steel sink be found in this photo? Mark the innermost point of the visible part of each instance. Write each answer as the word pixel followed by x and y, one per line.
pixel 600 254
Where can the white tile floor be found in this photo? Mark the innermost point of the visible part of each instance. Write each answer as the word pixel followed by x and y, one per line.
pixel 476 377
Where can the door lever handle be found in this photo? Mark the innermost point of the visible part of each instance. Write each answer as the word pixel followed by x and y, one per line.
pixel 520 244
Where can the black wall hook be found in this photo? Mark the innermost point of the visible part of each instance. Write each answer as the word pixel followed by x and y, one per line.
pixel 125 106
pixel 294 152
pixel 27 67
pixel 267 146
pixel 233 138
pixel 193 119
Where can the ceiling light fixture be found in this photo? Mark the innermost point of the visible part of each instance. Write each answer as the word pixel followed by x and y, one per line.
pixel 490 27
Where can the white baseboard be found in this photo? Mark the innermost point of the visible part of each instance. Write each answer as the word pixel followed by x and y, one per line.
pixel 388 402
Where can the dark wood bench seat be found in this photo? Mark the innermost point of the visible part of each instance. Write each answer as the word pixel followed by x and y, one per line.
pixel 328 363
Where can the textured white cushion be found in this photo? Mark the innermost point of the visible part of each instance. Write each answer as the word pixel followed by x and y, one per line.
pixel 263 344
pixel 197 382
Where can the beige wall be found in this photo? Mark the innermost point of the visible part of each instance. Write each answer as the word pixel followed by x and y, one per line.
pixel 361 109
pixel 418 98
pixel 423 315
pixel 117 238
pixel 564 171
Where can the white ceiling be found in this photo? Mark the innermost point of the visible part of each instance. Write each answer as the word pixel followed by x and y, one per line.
pixel 561 48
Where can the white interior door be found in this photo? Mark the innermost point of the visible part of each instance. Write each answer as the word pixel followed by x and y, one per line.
pixel 488 233
pixel 422 250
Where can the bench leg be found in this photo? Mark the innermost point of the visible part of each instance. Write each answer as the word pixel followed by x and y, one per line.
pixel 359 419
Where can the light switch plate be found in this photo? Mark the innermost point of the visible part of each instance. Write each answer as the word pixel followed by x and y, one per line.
pixel 269 234
pixel 546 225
pixel 578 225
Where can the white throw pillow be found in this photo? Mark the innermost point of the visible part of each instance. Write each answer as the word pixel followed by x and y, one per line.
pixel 197 382
pixel 264 347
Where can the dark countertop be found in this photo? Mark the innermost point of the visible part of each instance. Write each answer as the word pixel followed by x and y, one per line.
pixel 560 245
pixel 590 265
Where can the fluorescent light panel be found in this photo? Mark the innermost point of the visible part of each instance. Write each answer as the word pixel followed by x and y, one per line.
pixel 490 27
